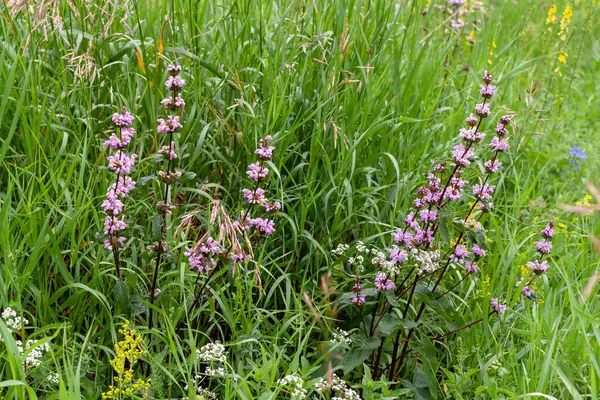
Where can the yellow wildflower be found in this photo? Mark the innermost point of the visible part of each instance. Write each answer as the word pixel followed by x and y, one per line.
pixel 586 201
pixel 562 58
pixel 127 353
pixel 486 284
pixel 565 21
pixel 551 16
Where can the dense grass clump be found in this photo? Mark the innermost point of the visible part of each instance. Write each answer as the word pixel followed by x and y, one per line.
pixel 284 199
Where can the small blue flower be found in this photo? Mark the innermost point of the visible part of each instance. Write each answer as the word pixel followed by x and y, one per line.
pixel 578 156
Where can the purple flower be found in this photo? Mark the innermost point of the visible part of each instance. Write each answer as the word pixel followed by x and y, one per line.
pixel 257 172
pixel 478 251
pixel 272 207
pixel 265 226
pixel 548 231
pixel 173 104
pixel 428 215
pixel 114 142
pixel 357 287
pixel 398 236
pixel 113 225
pixel 471 135
pixel 457 23
pixel 499 308
pixel 527 291
pixel 112 205
pixel 174 83
pixel 122 119
pixel 240 257
pixel 265 151
pixel 199 261
pixel 459 254
pixel 122 187
pixel 169 125
pixel 472 120
pixel 243 225
pixel 255 197
pixel 482 110
pixel 492 166
pixel 174 70
pixel 398 256
pixel 501 130
pixel 108 243
pixel 168 151
pixel 487 91
pixel 471 267
pixel 461 155
pixel 358 299
pixel 410 221
pixel 543 247
pixel 487 77
pixel 121 163
pixel 538 267
pixel 382 283
pixel 210 246
pixel 499 145
pixel 505 120
pixel 483 193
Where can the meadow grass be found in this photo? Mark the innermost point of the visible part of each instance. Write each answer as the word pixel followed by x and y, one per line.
pixel 360 96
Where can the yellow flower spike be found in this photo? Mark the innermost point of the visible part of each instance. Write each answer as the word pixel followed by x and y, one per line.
pixel 551 15
pixel 128 350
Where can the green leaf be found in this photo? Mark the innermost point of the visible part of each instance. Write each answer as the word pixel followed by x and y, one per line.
pixel 360 353
pixel 446 226
pixel 122 296
pixel 136 307
pixel 157 220
pixel 388 325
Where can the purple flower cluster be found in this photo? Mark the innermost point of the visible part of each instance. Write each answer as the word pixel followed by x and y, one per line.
pixel 258 172
pixel 123 122
pixel 172 124
pixel 461 253
pixel 382 283
pixel 539 266
pixel 121 164
pixel 202 257
pixel 496 306
pixel 358 297
pixel 434 196
pixel 544 247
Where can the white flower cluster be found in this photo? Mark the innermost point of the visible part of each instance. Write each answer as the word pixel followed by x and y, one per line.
pixel 212 352
pixel 357 261
pixel 361 248
pixel 218 371
pixel 53 378
pixel 340 250
pixel 34 353
pixel 427 261
pixel 336 384
pixel 341 337
pixel 295 384
pixel 201 391
pixel 13 321
pixel 381 260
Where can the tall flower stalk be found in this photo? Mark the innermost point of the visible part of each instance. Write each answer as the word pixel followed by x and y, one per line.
pixel 204 257
pixel 417 246
pixel 174 103
pixel 120 163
